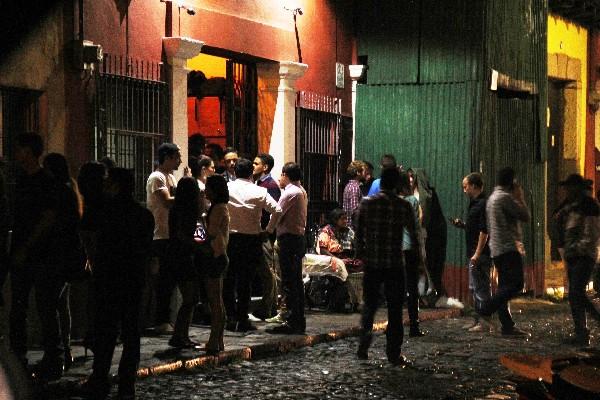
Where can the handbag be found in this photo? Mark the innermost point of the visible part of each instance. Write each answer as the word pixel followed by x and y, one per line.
pixel 200 234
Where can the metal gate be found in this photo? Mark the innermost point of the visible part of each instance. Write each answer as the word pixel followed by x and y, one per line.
pixel 132 115
pixel 241 119
pixel 319 128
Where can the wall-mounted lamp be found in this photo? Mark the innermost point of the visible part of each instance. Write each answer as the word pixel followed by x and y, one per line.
pixel 181 5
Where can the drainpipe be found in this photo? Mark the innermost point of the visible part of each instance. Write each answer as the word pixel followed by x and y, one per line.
pixel 356 72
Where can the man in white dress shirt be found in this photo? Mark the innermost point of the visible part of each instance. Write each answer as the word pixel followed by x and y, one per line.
pixel 246 202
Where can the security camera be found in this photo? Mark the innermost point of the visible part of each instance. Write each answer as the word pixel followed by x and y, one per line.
pixel 190 11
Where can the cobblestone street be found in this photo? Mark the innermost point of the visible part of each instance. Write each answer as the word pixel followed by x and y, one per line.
pixel 448 363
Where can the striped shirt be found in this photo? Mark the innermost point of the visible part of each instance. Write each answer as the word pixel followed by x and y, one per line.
pixel 504 215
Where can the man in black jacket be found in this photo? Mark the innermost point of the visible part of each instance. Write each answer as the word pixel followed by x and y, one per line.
pixel 124 243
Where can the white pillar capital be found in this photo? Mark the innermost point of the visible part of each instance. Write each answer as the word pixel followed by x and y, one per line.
pixel 289 73
pixel 356 71
pixel 180 49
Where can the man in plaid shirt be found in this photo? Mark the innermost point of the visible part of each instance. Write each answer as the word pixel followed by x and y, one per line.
pixel 352 191
pixel 381 220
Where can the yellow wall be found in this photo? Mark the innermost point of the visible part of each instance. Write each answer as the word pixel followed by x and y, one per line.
pixel 565 37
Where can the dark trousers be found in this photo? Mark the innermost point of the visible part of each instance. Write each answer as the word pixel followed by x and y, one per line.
pixel 479 279
pixel 48 288
pixel 393 284
pixel 245 254
pixel 579 270
pixel 412 285
pixel 510 284
pixel 117 310
pixel 291 251
pixel 436 259
pixel 268 275
pixel 166 282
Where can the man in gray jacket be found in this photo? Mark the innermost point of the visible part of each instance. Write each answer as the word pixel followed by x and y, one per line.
pixel 505 210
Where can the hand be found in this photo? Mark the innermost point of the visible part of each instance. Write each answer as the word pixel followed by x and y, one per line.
pixel 186 171
pixel 457 222
pixel 475 259
pixel 518 193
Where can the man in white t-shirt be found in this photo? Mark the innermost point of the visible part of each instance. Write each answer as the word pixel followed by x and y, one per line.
pixel 160 196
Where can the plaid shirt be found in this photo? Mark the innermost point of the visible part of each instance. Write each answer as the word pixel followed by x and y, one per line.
pixel 381 221
pixel 352 196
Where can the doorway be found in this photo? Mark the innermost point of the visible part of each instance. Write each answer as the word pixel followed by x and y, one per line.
pixel 222 105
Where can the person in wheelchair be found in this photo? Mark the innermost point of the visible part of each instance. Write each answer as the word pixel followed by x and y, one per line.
pixel 337 239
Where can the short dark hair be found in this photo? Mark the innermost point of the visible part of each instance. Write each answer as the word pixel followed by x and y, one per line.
pixel 506 176
pixel 335 215
pixel 292 171
pixel 268 160
pixel 390 177
pixel 244 168
pixel 90 182
pixel 58 166
pixel 218 186
pixel 388 161
pixel 475 179
pixel 32 141
pixel 124 179
pixel 167 150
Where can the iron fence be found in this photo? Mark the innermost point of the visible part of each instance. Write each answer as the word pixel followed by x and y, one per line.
pixel 132 115
pixel 319 126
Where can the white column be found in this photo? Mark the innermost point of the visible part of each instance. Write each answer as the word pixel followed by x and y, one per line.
pixel 283 137
pixel 178 51
pixel 356 72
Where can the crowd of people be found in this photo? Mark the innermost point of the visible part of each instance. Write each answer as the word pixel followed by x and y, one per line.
pixel 219 228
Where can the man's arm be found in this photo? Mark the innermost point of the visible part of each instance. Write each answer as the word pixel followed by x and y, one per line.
pixel 164 197
pixel 515 206
pixel 275 209
pixel 483 237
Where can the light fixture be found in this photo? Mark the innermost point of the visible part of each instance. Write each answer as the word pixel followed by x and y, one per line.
pixel 181 5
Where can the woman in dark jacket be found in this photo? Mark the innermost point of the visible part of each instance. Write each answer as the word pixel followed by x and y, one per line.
pixel 183 217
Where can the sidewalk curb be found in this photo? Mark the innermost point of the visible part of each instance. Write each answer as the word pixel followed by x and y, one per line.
pixel 279 345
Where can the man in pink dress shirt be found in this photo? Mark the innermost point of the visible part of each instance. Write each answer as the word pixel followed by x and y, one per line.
pixel 290 227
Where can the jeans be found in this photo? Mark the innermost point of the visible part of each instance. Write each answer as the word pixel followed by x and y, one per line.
pixel 393 284
pixel 510 284
pixel 48 288
pixel 479 279
pixel 579 270
pixel 291 251
pixel 245 253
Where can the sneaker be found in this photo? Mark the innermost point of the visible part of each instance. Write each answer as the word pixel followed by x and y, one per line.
pixel 399 362
pixel 415 332
pixel 164 329
pixel 253 318
pixel 577 340
pixel 278 319
pixel 285 329
pixel 245 326
pixel 183 343
pixel 515 332
pixel 478 327
pixel 362 353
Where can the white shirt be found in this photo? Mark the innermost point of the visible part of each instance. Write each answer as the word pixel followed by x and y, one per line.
pixel 158 181
pixel 246 202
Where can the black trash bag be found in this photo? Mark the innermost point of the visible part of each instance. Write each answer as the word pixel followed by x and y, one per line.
pixel 329 293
